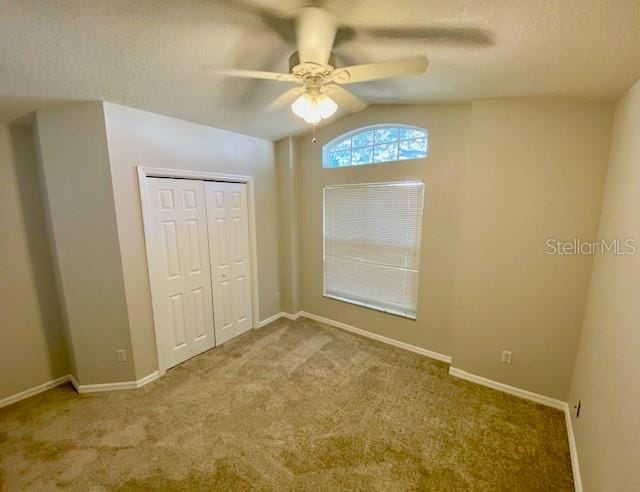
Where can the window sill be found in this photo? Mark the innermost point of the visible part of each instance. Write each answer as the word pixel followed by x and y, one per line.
pixel 395 312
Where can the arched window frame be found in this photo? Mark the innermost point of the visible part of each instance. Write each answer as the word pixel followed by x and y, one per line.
pixel 329 147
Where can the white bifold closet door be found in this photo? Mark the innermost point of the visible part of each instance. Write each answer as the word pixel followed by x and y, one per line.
pixel 230 261
pixel 199 265
pixel 179 269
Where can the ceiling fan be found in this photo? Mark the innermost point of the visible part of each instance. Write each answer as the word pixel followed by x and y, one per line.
pixel 320 82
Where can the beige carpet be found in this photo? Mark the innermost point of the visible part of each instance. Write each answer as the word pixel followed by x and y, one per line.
pixel 293 406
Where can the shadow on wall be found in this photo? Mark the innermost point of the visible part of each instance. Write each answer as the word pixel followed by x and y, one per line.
pixel 38 243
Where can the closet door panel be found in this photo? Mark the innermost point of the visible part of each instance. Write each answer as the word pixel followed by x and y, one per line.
pixel 179 269
pixel 227 215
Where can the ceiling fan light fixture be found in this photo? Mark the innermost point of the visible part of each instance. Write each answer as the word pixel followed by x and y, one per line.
pixel 327 106
pixel 314 108
pixel 302 106
pixel 313 116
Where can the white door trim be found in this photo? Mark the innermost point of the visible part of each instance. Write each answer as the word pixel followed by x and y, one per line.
pixel 159 172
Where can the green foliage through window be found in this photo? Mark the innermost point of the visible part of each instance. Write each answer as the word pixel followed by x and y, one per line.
pixel 377 144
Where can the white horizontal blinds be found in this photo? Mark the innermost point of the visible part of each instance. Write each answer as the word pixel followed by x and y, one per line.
pixel 372 244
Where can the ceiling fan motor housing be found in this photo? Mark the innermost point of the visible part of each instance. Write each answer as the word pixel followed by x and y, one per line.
pixel 312 74
pixel 294 61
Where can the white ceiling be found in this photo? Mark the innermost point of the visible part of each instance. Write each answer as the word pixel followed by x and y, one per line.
pixel 148 53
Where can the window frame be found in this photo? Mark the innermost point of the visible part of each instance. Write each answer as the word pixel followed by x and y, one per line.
pixel 364 303
pixel 327 148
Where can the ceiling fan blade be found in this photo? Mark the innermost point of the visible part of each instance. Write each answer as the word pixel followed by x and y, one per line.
pixel 315 31
pixel 285 99
pixel 252 74
pixel 451 35
pixel 345 99
pixel 381 70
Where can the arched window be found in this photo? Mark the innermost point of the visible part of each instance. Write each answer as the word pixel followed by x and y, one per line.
pixel 376 144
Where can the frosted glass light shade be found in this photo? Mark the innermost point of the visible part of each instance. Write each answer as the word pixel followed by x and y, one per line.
pixel 313 115
pixel 313 109
pixel 302 106
pixel 327 106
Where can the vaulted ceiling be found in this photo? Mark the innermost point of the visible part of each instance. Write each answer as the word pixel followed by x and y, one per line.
pixel 148 53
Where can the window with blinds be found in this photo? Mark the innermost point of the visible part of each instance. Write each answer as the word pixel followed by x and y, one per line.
pixel 372 245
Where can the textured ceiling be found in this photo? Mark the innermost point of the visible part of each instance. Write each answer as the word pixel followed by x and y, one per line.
pixel 148 53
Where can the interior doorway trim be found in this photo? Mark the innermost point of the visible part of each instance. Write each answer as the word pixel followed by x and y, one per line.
pixel 145 172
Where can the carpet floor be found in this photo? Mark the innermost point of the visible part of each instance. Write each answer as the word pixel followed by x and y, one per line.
pixel 292 406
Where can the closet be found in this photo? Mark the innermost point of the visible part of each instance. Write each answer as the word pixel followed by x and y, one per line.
pixel 199 264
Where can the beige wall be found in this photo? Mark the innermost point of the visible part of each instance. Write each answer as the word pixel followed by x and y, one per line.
pixel 501 177
pixel 141 138
pixel 536 170
pixel 442 173
pixel 75 167
pixel 33 349
pixel 608 363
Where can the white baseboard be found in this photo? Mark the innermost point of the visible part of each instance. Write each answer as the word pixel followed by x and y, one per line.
pixel 95 388
pixel 277 316
pixel 512 390
pixel 8 400
pixel 375 336
pixel 270 319
pixel 80 388
pixel 573 449
pixel 149 378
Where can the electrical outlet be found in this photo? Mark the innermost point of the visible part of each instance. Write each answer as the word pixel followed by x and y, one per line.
pixel 121 355
pixel 506 357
